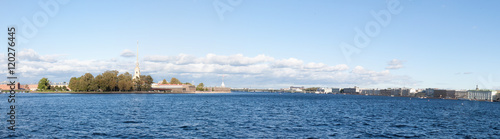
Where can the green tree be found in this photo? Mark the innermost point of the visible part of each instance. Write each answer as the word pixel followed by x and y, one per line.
pixel 187 83
pixel 52 88
pixel 175 81
pixel 73 82
pixel 86 81
pixel 146 80
pixel 164 82
pixel 137 84
pixel 78 85
pixel 98 82
pixel 199 87
pixel 94 86
pixel 125 82
pixel 312 89
pixel 110 80
pixel 43 84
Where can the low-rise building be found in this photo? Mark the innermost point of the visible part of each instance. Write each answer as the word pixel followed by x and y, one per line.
pixel 487 95
pixel 296 88
pixel 336 90
pixel 373 92
pixel 461 94
pixel 354 90
pixel 398 92
pixel 439 93
pixel 326 90
pixel 450 94
pixel 386 92
pixel 6 87
pixel 429 92
pixel 173 88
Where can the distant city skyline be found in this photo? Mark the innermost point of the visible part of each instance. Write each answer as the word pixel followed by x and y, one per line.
pixel 262 44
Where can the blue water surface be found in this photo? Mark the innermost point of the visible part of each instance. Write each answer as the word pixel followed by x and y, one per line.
pixel 246 115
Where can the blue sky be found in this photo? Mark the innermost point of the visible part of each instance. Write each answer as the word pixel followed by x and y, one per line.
pixel 267 44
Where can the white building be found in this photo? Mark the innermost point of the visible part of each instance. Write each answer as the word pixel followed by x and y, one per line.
pixel 487 95
pixel 374 92
pixel 326 90
pixel 461 94
pixel 336 90
pixel 354 90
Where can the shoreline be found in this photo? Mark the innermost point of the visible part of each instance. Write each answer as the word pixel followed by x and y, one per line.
pixel 137 92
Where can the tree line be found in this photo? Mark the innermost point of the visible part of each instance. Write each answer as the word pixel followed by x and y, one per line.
pixel 110 81
pixel 44 85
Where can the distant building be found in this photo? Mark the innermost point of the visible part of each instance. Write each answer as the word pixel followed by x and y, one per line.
pixel 326 90
pixel 336 90
pixel 385 92
pixel 6 87
pixel 31 87
pixel 354 90
pixel 439 93
pixel 373 92
pixel 487 95
pixel 217 89
pixel 296 88
pixel 461 94
pixel 173 88
pixel 398 92
pixel 404 92
pixel 429 92
pixel 450 94
pixel 61 85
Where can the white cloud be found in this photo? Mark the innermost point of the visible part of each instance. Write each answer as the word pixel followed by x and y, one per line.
pixel 31 55
pixel 127 53
pixel 288 63
pixel 241 71
pixel 395 64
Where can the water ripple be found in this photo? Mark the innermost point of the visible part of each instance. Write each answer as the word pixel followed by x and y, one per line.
pixel 248 115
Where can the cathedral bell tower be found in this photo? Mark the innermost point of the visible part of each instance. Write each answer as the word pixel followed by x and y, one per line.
pixel 137 73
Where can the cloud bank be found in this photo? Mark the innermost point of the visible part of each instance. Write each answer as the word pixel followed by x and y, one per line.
pixel 240 70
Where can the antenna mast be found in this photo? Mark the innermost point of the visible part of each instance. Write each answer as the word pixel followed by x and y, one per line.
pixel 137 58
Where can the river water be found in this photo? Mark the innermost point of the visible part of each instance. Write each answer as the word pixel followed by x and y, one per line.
pixel 246 115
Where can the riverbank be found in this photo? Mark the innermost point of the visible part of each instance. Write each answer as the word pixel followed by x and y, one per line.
pixel 135 92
